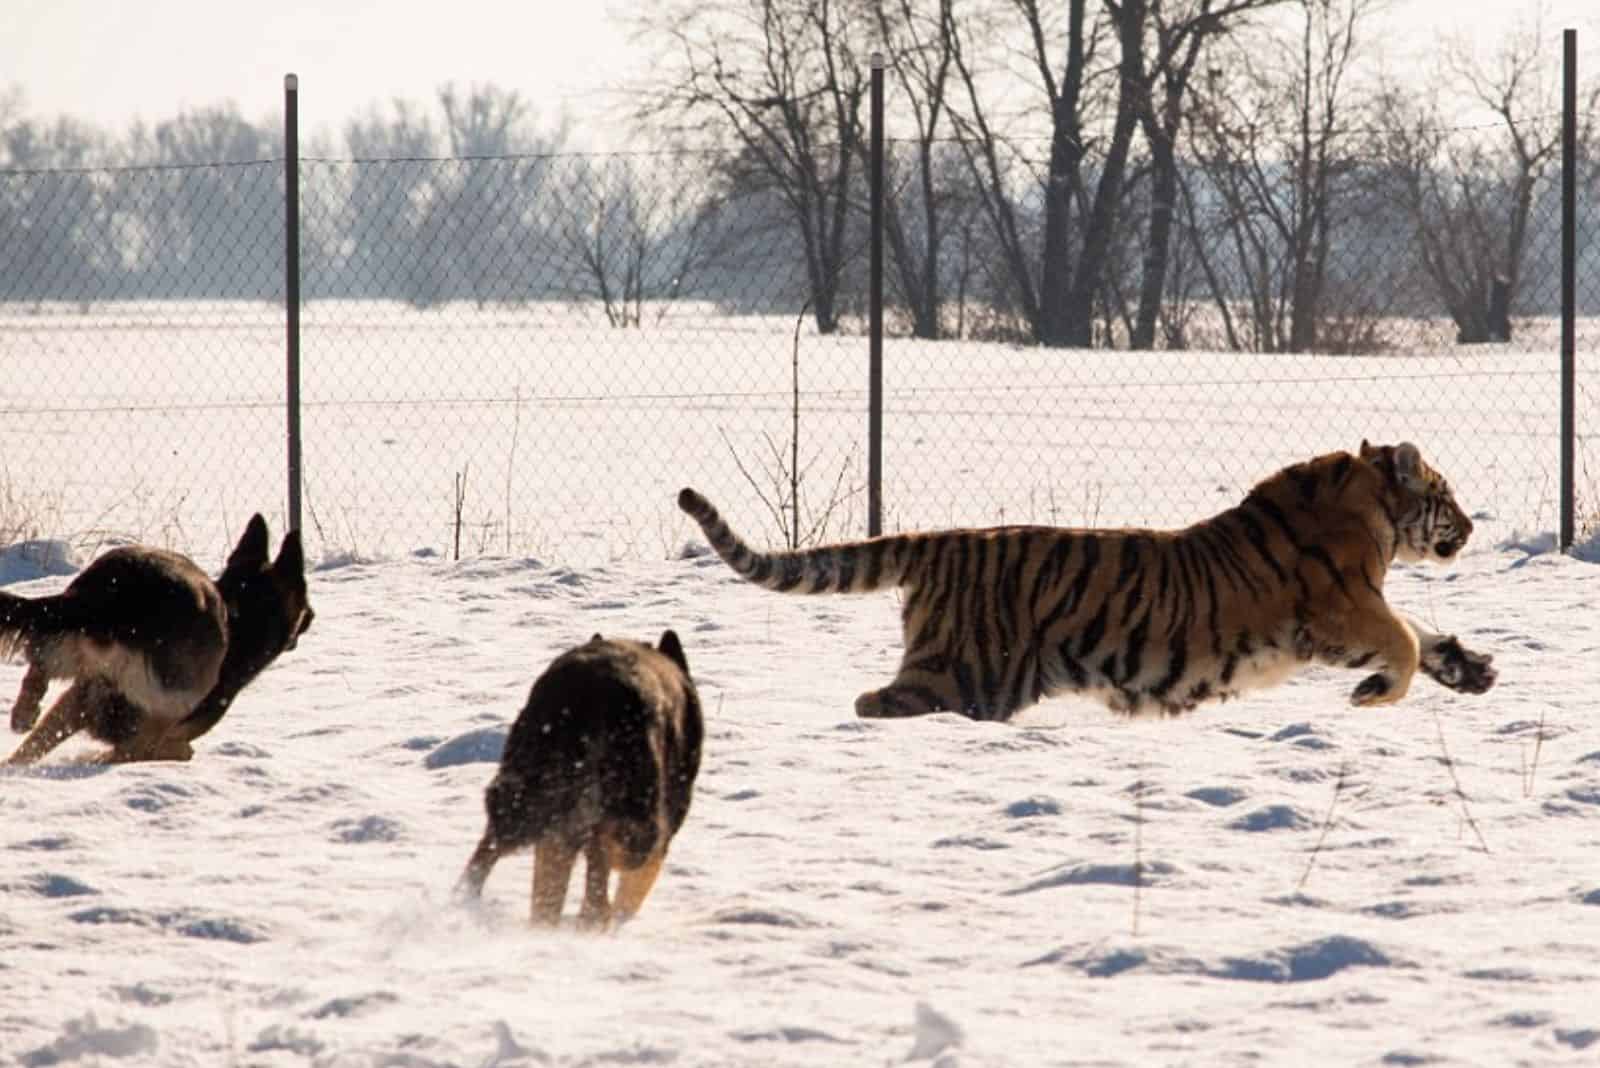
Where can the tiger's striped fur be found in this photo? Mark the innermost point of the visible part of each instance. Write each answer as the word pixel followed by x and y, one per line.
pixel 1154 620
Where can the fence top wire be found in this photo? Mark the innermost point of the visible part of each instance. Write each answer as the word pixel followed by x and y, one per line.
pixel 1291 129
pixel 134 168
pixel 278 161
pixel 520 157
pixel 675 152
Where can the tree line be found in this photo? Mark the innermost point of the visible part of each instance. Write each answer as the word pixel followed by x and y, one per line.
pixel 1140 173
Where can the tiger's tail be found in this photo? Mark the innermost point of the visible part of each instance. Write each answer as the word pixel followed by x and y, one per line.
pixel 851 567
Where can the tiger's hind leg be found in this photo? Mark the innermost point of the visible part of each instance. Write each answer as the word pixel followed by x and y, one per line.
pixel 1449 663
pixel 955 687
pixel 921 693
pixel 901 700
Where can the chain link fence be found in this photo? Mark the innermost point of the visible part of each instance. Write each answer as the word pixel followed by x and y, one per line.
pixel 530 355
pixel 1425 308
pixel 141 342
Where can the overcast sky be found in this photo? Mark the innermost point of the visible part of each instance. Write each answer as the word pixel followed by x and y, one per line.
pixel 109 61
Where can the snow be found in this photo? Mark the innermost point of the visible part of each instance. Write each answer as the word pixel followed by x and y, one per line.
pixel 36 558
pixel 1281 879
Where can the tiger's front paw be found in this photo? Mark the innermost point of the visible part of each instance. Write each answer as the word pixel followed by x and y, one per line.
pixel 1457 668
pixel 1378 689
pixel 1370 691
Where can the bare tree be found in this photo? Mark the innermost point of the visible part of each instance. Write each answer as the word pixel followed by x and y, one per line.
pixel 207 135
pixel 485 120
pixel 783 82
pixel 1039 278
pixel 634 233
pixel 1470 193
pixel 213 167
pixel 469 216
pixel 1271 136
pixel 1071 321
pixel 1098 97
pixel 385 192
pixel 57 240
pixel 1181 30
pixel 920 53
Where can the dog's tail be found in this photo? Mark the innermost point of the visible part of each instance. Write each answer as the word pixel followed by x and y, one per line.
pixel 28 620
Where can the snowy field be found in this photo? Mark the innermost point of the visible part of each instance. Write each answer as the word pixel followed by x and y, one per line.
pixel 1279 880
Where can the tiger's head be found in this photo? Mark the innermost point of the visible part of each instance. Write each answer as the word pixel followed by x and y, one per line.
pixel 1429 524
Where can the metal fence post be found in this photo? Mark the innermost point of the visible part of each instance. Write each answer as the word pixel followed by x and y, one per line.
pixel 875 311
pixel 1569 245
pixel 291 288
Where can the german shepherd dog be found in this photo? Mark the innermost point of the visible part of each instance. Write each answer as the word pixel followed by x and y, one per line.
pixel 601 759
pixel 155 649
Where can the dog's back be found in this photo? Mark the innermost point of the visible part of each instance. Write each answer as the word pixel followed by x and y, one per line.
pixel 602 758
pixel 147 622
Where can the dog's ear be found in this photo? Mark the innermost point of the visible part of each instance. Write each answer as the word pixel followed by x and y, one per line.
pixel 291 557
pixel 252 549
pixel 596 637
pixel 671 648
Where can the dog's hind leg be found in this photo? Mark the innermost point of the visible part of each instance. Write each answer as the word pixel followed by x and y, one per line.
pixel 70 714
pixel 633 885
pixel 25 711
pixel 152 740
pixel 597 859
pixel 172 746
pixel 479 865
pixel 553 858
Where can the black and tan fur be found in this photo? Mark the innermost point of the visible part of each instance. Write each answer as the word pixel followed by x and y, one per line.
pixel 155 649
pixel 1154 620
pixel 601 760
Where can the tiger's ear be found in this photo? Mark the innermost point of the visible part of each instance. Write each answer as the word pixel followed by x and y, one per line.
pixel 1408 467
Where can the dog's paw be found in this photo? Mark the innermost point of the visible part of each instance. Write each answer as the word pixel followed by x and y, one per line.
pixel 1457 668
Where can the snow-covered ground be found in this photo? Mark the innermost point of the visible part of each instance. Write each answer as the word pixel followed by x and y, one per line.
pixel 1279 880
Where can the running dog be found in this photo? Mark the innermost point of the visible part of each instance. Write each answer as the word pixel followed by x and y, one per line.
pixel 602 759
pixel 155 649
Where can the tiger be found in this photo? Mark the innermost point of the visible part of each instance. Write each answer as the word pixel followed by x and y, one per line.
pixel 1154 621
